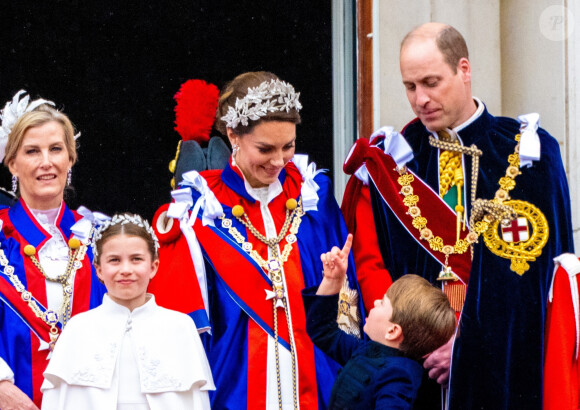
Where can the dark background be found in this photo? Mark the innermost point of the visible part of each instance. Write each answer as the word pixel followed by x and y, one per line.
pixel 114 66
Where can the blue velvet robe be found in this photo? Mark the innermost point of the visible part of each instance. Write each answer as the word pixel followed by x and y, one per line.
pixel 498 354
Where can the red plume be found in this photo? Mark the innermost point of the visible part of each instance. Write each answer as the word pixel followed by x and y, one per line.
pixel 195 110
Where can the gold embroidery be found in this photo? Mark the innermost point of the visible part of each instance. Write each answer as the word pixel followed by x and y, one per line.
pixel 348 317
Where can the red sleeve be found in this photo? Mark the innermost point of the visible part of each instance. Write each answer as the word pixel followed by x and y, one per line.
pixel 373 277
pixel 175 285
pixel 561 367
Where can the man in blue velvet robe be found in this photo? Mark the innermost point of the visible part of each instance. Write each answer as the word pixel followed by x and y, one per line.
pixel 497 354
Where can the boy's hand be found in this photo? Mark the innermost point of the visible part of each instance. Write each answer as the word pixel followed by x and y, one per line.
pixel 335 265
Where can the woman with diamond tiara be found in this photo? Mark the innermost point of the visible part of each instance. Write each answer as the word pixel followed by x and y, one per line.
pixel 46 273
pixel 238 245
pixel 128 353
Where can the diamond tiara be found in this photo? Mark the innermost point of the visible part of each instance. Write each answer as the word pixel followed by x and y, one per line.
pixel 123 219
pixel 269 96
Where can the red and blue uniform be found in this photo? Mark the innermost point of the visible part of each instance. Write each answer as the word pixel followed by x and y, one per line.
pixel 240 317
pixel 22 333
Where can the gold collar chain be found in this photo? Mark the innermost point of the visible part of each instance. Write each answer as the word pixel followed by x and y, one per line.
pixel 420 223
pixel 483 211
pixel 76 254
pixel 273 266
pixel 49 316
pixel 508 210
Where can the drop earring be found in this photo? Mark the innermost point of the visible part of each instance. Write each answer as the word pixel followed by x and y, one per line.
pixel 14 183
pixel 69 177
pixel 235 149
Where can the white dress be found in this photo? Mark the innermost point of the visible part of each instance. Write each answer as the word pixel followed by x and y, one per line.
pixel 112 358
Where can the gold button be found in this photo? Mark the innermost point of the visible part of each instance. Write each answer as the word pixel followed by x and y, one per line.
pixel 29 250
pixel 74 243
pixel 237 211
pixel 291 204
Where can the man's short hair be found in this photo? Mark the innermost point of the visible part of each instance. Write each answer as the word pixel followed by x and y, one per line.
pixel 424 314
pixel 449 41
pixel 452 45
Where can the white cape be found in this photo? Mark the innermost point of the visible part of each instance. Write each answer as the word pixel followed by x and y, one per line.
pixel 173 369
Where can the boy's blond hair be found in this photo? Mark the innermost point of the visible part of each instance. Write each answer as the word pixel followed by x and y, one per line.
pixel 424 314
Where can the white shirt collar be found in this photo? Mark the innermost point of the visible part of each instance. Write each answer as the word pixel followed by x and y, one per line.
pixel 455 131
pixel 476 115
pixel 265 194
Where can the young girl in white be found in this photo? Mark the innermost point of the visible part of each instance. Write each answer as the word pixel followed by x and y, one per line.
pixel 128 353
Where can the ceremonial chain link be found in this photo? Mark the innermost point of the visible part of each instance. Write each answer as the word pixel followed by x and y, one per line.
pixel 50 317
pixel 273 266
pixel 420 222
pixel 484 212
pixel 482 209
pixel 76 254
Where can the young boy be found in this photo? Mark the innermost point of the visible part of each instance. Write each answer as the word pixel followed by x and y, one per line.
pixel 413 319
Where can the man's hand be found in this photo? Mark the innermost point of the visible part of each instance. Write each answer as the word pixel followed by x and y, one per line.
pixel 335 264
pixel 438 363
pixel 12 398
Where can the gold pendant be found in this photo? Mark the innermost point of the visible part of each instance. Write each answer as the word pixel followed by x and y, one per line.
pixel 446 274
pixel 53 337
pixel 516 242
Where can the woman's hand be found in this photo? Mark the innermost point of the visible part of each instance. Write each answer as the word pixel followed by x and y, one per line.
pixel 335 265
pixel 12 398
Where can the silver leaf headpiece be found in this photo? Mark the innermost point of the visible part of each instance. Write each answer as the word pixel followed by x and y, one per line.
pixel 270 96
pixel 123 219
pixel 12 111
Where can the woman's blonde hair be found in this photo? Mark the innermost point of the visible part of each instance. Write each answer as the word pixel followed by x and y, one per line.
pixel 39 116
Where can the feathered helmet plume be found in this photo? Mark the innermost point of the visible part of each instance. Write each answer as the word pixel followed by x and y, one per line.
pixel 195 111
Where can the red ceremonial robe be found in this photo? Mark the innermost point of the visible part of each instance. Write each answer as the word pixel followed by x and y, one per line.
pixel 240 316
pixel 562 365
